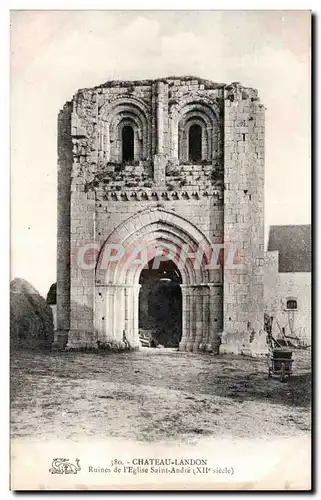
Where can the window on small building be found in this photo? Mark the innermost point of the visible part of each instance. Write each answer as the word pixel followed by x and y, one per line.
pixel 195 143
pixel 291 304
pixel 127 144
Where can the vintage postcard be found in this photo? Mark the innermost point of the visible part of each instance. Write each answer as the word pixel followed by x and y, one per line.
pixel 160 329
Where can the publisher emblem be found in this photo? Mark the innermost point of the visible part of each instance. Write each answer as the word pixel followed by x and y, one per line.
pixel 64 466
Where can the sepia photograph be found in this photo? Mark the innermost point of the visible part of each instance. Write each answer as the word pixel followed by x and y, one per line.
pixel 160 274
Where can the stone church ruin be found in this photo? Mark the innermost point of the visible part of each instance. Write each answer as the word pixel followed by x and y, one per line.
pixel 154 177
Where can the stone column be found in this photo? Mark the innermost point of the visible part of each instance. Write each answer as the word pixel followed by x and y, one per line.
pixel 104 314
pixel 162 116
pixel 215 315
pixel 135 339
pixel 105 320
pixel 101 139
pixel 186 343
pixel 100 314
pixel 205 319
pixel 116 312
pixel 131 315
pixel 202 317
pixel 127 311
pixel 110 319
pixel 119 312
pixel 198 305
pixel 192 319
pixel 185 319
pixel 161 105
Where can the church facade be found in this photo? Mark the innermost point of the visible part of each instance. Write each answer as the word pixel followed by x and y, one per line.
pixel 161 216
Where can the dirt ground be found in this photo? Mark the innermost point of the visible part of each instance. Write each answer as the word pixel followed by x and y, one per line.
pixel 155 395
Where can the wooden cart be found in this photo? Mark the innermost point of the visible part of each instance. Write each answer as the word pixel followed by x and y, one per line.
pixel 280 363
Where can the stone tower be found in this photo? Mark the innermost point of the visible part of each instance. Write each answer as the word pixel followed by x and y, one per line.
pixel 169 169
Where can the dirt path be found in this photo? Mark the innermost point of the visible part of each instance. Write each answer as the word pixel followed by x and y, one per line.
pixel 155 394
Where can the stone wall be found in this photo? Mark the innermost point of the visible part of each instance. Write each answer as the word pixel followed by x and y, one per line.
pixel 243 211
pixel 65 163
pixel 221 195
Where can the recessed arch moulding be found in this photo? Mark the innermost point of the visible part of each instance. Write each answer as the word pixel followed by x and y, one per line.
pixel 147 235
pixel 112 117
pixel 192 111
pixel 159 131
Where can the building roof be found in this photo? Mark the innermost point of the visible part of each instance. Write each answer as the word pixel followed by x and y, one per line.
pixel 294 246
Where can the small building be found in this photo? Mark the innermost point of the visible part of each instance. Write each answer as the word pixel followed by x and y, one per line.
pixel 287 286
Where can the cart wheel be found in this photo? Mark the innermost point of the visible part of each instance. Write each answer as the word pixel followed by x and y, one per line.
pixel 283 374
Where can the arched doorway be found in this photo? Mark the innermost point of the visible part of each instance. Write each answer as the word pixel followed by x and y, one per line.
pixel 160 303
pixel 117 300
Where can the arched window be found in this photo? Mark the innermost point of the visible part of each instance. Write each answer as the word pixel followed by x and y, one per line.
pixel 195 143
pixel 291 304
pixel 127 144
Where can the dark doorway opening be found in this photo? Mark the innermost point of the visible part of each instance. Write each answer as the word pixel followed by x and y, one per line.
pixel 195 143
pixel 127 144
pixel 160 305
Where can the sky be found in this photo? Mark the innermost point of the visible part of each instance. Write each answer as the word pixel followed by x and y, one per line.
pixel 54 53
